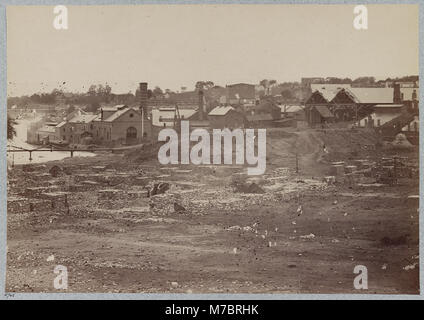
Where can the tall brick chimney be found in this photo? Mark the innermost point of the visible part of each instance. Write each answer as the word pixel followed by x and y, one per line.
pixel 143 94
pixel 201 106
pixel 397 97
pixel 143 103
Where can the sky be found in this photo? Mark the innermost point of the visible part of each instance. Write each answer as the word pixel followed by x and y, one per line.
pixel 171 46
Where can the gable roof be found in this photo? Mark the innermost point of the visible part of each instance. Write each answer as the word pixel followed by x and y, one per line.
pixel 373 95
pixel 291 108
pixel 167 115
pixel 324 111
pixel 119 113
pixel 329 86
pixel 61 124
pixel 328 90
pixel 114 108
pixel 83 118
pixel 220 111
pixel 319 97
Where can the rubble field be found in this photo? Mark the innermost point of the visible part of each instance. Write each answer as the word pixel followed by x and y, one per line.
pixel 122 225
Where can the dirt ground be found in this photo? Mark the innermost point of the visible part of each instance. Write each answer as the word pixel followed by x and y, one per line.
pixel 302 235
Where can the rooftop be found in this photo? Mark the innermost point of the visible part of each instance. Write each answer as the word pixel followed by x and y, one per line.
pixel 373 95
pixel 167 115
pixel 220 111
pixel 119 113
pixel 83 118
pixel 324 111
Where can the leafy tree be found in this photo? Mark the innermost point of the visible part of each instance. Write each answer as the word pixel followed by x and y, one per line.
pixel 57 92
pixel 93 104
pixel 267 85
pixel 264 83
pixel 108 90
pixel 92 90
pixel 157 92
pixel 100 90
pixel 203 85
pixel 11 132
pixel 365 80
pixel 287 94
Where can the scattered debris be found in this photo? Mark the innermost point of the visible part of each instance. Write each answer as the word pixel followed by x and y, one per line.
pixel 249 188
pixel 410 267
pixel 299 210
pixel 158 188
pixel 309 236
pixel 55 171
pixel 179 208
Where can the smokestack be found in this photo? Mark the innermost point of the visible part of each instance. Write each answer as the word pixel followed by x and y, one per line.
pixel 101 114
pixel 396 93
pixel 201 110
pixel 143 94
pixel 143 102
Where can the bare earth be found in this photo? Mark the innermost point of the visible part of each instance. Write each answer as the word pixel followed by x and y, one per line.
pixel 303 235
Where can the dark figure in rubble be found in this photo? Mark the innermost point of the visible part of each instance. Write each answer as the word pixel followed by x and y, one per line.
pixel 158 188
pixel 179 208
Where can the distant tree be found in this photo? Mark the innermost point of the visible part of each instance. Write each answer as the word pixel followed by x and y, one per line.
pixel 209 84
pixel 157 92
pixel 364 80
pixel 203 85
pixel 57 92
pixel 287 94
pixel 47 98
pixel 11 132
pixel 267 84
pixel 108 89
pixel 35 98
pixel 92 90
pixel 100 90
pixel 93 104
pixel 264 83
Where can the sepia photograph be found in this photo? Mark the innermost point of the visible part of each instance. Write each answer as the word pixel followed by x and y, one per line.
pixel 213 149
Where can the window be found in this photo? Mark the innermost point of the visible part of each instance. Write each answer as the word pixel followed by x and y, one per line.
pixel 131 133
pixel 131 115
